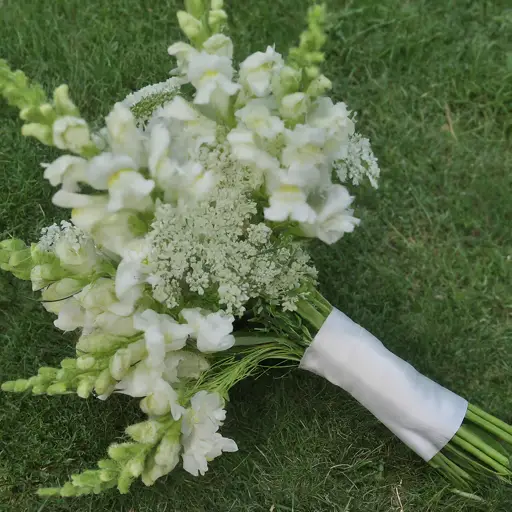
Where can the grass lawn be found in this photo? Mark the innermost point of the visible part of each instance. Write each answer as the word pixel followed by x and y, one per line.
pixel 429 271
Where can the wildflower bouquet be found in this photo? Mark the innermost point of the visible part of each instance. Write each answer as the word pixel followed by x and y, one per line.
pixel 184 264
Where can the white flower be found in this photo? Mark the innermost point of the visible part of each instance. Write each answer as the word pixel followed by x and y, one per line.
pixel 199 451
pixel 211 330
pixel 335 120
pixel 145 380
pixel 257 117
pixel 99 295
pixel 304 157
pixel 256 71
pixel 65 199
pixel 124 136
pixel 55 295
pixel 170 85
pixel 111 323
pixel 211 74
pixel 246 150
pixel 294 105
pixel 71 316
pixel 334 218
pixel 220 45
pixel 77 254
pixel 162 334
pixel 358 162
pixel 183 53
pixel 129 189
pixel 71 133
pixel 289 202
pixel 66 170
pixel 196 126
pixel 199 426
pixel 102 167
pixel 181 364
pixel 205 415
pixel 90 212
pixel 115 231
pixel 132 274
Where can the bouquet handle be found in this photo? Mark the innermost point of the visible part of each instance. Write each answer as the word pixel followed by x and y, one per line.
pixel 420 412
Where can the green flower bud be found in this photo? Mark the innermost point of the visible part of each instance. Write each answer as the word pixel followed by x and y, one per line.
pixel 312 72
pixel 108 464
pixel 293 106
pixel 39 389
pixel 63 104
pixel 8 386
pixel 99 343
pixel 47 113
pixel 12 245
pixel 104 382
pixel 107 476
pixel 123 359
pixel 59 388
pixel 287 81
pixel 120 363
pixel 168 451
pixel 39 131
pixel 85 362
pixel 217 20
pixel 46 492
pixel 135 466
pixel 195 7
pixel 146 432
pixel 85 387
pixel 123 452
pixel 68 363
pixel 21 385
pixel 154 405
pixel 192 27
pixel 21 258
pixel 124 482
pixel 319 86
pixel 89 478
pixel 217 4
pixel 35 381
pixel 47 373
pixel 68 490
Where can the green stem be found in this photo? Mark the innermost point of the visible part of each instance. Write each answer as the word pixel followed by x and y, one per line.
pixel 490 427
pixel 476 441
pixel 309 313
pixel 470 448
pixel 490 418
pixel 451 470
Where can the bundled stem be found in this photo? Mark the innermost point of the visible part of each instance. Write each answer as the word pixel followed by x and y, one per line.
pixel 481 448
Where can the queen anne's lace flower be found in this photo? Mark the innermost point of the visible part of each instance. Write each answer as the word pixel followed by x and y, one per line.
pixel 215 248
pixel 358 162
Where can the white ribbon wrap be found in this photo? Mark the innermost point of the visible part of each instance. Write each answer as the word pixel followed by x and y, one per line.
pixel 423 414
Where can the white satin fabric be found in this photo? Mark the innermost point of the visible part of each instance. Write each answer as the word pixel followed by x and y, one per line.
pixel 423 414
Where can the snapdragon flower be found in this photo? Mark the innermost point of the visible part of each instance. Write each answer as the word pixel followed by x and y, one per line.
pixel 257 117
pixel 211 75
pixel 256 71
pixel 201 441
pixel 71 133
pixel 333 217
pixel 67 170
pixel 162 334
pixel 289 202
pixel 212 331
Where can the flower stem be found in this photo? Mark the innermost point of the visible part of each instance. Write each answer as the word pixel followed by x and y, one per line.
pixel 479 454
pixel 490 418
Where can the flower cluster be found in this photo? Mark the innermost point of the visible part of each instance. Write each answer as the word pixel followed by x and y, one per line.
pixel 187 216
